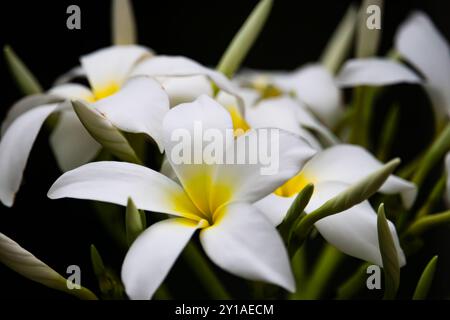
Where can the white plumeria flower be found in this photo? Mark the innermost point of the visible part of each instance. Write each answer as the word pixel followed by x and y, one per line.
pixel 313 85
pixel 214 198
pixel 135 105
pixel 353 231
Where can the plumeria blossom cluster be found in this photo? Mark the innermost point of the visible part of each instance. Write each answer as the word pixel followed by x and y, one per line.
pixel 257 227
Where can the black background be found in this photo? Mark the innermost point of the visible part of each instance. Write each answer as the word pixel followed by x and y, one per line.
pixel 60 232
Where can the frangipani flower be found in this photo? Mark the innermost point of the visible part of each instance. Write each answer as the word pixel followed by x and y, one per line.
pixel 135 105
pixel 313 85
pixel 213 198
pixel 353 231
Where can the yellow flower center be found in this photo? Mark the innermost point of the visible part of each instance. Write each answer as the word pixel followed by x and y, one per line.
pixel 106 91
pixel 240 126
pixel 293 186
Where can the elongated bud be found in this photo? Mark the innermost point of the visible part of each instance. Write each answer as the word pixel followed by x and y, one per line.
pixel 123 23
pixel 244 39
pixel 23 77
pixel 105 133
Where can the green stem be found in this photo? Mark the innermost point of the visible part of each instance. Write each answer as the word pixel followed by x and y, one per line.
pixel 423 224
pixel 327 263
pixel 434 198
pixel 354 284
pixel 362 115
pixel 435 153
pixel 388 133
pixel 298 263
pixel 204 273
pixel 162 293
pixel 244 39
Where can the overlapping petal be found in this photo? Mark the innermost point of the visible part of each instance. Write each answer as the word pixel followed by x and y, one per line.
pixel 15 147
pixel 244 243
pixel 353 231
pixel 374 72
pixel 183 127
pixel 425 48
pixel 108 69
pixel 71 143
pixel 153 254
pixel 115 182
pixel 349 164
pixel 139 107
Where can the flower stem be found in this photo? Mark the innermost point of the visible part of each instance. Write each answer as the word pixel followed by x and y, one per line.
pixel 204 272
pixel 362 115
pixel 427 222
pixel 437 150
pixel 434 197
pixel 327 263
pixel 353 284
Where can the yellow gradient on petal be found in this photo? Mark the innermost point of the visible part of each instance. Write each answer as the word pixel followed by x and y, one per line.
pixel 293 186
pixel 181 204
pixel 192 223
pixel 240 126
pixel 106 91
pixel 222 193
pixel 265 88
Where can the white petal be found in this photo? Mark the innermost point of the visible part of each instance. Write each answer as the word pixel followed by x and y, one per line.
pixel 353 231
pixel 153 254
pixel 15 148
pixel 71 143
pixel 139 107
pixel 374 72
pixel 349 164
pixel 425 48
pixel 278 113
pixel 73 91
pixel 244 243
pixel 285 113
pixel 115 182
pixel 25 104
pixel 109 68
pixel 70 75
pixel 188 119
pixel 185 89
pixel 275 207
pixel 315 86
pixel 177 66
pixel 253 181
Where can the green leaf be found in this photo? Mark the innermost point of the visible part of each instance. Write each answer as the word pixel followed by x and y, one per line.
pixel 23 262
pixel 391 266
pixel 97 262
pixel 355 194
pixel 134 221
pixel 338 47
pixel 105 133
pixel 123 24
pixel 425 281
pixel 244 39
pixel 23 77
pixel 388 132
pixel 367 40
pixel 433 155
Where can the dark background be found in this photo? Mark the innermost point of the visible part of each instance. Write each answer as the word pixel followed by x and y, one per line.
pixel 60 232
